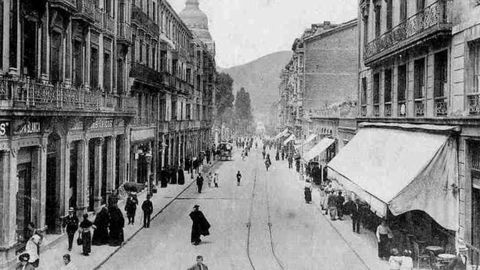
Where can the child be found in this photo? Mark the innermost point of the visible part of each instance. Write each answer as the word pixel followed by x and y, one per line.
pixel 395 260
pixel 209 179
pixel 215 180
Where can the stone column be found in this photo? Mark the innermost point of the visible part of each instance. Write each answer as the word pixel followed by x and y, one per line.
pixel 97 189
pixel 111 164
pixel 180 147
pixel 82 176
pixel 134 165
pixel 8 219
pixel 39 179
pixel 162 160
pixel 6 37
pixel 87 59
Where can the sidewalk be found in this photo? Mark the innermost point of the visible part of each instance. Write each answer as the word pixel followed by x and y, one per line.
pixel 364 245
pixel 52 252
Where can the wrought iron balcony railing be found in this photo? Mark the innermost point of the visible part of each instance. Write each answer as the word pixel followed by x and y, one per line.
pixel 376 110
pixel 27 94
pixel 67 4
pixel 387 109
pixel 432 19
pixel 419 107
pixel 142 20
pixel 474 103
pixel 124 32
pixel 86 9
pixel 441 106
pixel 108 23
pixel 145 74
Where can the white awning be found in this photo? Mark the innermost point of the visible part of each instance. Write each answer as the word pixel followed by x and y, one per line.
pixel 281 134
pixel 402 169
pixel 307 141
pixel 291 138
pixel 318 149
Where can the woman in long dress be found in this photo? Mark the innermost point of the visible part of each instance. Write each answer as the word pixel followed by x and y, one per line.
pixel 100 235
pixel 117 222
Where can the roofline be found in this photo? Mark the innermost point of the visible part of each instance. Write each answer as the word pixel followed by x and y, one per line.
pixel 182 23
pixel 340 27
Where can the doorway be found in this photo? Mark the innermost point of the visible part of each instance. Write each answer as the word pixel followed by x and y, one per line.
pixel 24 198
pixel 52 185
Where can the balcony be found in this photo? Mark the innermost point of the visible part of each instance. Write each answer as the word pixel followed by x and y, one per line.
pixel 143 21
pixel 145 74
pixel 68 5
pixel 29 95
pixel 429 22
pixel 419 107
pixel 86 10
pixel 474 104
pixel 108 23
pixel 124 33
pixel 441 106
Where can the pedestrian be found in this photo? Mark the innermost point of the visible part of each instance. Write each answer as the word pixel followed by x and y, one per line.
pixel 209 179
pixel 117 222
pixel 100 235
pixel 263 153
pixel 267 163
pixel 67 263
pixel 384 234
pixel 147 207
pixel 215 180
pixel 308 194
pixel 332 205
pixel 354 210
pixel 239 177
pixel 71 224
pixel 199 182
pixel 290 161
pixel 131 207
pixel 181 176
pixel 395 260
pixel 200 225
pixel 199 265
pixel 24 263
pixel 30 230
pixel 340 202
pixel 407 261
pixel 283 154
pixel 86 227
pixel 33 249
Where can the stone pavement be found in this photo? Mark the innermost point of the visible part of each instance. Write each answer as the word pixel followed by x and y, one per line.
pixel 51 253
pixel 364 244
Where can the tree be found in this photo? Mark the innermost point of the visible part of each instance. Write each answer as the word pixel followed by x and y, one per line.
pixel 243 111
pixel 224 95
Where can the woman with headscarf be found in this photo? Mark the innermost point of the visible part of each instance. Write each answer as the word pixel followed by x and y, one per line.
pixel 117 222
pixel 33 249
pixel 100 236
pixel 85 231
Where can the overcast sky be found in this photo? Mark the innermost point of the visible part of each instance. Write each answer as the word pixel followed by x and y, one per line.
pixel 247 29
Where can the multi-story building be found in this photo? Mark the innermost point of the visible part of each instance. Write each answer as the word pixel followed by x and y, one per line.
pixel 93 93
pixel 418 76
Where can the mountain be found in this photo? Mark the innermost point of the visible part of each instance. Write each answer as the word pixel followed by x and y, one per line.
pixel 261 78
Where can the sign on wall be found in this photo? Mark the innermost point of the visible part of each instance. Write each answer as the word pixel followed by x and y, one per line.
pixel 28 127
pixel 4 128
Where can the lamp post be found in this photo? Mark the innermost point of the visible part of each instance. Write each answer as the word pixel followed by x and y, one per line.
pixel 148 158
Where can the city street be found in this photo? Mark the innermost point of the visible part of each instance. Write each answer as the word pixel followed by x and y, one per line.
pixel 300 237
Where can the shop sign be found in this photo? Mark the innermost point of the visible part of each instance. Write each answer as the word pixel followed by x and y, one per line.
pixel 102 123
pixel 4 128
pixel 28 128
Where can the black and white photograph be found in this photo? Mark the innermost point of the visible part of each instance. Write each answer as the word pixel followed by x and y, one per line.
pixel 240 134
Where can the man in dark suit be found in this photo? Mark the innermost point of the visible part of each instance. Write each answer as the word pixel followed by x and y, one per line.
pixel 147 207
pixel 71 224
pixel 199 182
pixel 199 265
pixel 354 209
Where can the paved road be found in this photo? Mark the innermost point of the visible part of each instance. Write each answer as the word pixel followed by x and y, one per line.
pixel 300 237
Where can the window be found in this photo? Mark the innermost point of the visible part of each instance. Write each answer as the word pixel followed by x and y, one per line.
pixel 376 88
pixel 106 72
pixel 174 110
pixel 377 21
pixel 419 78
pixel 140 50
pixel 475 60
pixel 402 83
pixel 403 10
pixel 154 13
pixel 420 5
pixel 440 73
pixel 365 31
pixel 188 112
pixel 388 86
pixel 94 68
pixel 389 14
pixel 364 91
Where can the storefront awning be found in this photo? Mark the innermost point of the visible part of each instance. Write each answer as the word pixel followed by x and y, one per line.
pixel 318 149
pixel 402 170
pixel 307 141
pixel 281 134
pixel 291 138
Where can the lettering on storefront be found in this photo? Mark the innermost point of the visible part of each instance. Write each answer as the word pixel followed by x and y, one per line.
pixel 4 128
pixel 102 123
pixel 28 128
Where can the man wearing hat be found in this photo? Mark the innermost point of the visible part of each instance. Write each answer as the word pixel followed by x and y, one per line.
pixel 71 224
pixel 147 207
pixel 24 264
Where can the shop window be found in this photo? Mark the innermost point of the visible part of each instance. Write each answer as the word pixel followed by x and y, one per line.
pixel 388 92
pixel 376 94
pixel 419 86
pixel 401 90
pixel 24 199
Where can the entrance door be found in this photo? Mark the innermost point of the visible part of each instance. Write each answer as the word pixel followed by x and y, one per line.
pixel 52 198
pixel 24 193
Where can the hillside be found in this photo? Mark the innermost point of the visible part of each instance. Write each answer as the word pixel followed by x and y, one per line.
pixel 261 79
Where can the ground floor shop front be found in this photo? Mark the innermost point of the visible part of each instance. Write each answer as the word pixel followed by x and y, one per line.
pixel 50 164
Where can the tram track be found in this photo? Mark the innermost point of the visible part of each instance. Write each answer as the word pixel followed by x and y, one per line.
pixel 269 223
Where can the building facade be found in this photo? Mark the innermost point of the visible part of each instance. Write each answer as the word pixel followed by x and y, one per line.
pixel 419 64
pixel 93 94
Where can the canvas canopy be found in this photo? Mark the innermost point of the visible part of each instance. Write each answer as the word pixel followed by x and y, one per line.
pixel 281 134
pixel 291 138
pixel 318 148
pixel 402 170
pixel 307 141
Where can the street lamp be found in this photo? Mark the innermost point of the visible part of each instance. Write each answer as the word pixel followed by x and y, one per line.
pixel 148 158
